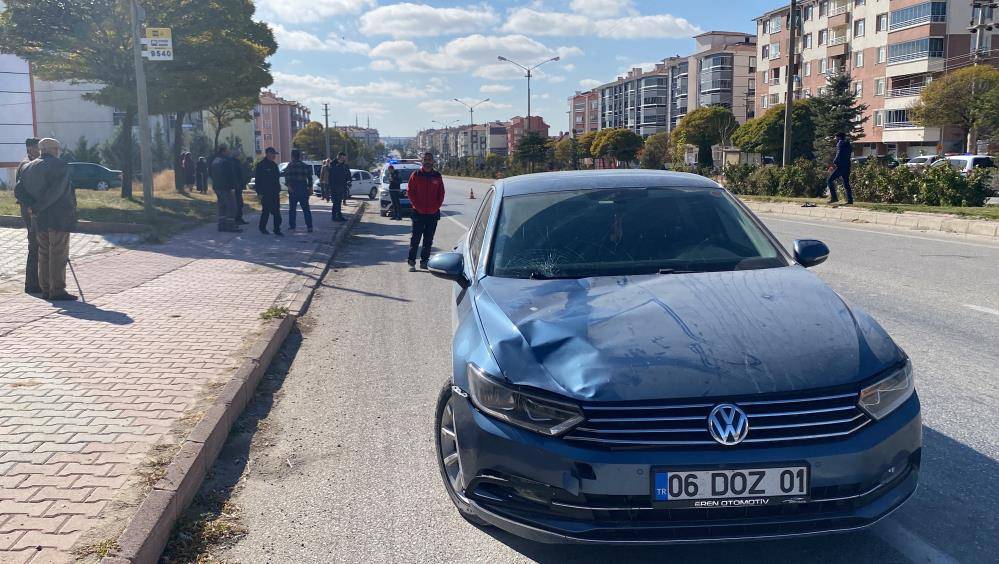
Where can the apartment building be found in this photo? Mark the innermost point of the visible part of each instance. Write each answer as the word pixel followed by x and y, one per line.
pixel 519 125
pixel 366 135
pixel 276 121
pixel 890 48
pixel 584 111
pixel 720 72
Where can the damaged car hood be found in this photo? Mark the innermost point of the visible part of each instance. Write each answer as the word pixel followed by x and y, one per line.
pixel 680 335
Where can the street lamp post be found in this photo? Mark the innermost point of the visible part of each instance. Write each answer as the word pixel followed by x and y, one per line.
pixel 529 71
pixel 471 122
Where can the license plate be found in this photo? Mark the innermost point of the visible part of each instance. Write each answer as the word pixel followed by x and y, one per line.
pixel 743 487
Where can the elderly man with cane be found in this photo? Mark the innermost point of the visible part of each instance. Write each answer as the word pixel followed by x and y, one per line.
pixel 52 205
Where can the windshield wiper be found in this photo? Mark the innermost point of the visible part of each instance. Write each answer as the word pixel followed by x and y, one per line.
pixel 542 276
pixel 675 271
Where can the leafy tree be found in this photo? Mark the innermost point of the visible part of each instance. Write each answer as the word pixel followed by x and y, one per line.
pixel 567 152
pixel 120 147
pixel 532 149
pixel 160 152
pixel 656 151
pixel 765 134
pixel 225 112
pixel 235 145
pixel 835 110
pixel 85 152
pixel 311 139
pixel 585 144
pixel 990 110
pixel 200 145
pixel 965 99
pixel 707 126
pixel 620 143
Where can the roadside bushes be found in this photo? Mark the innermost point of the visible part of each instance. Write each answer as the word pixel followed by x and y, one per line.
pixel 872 182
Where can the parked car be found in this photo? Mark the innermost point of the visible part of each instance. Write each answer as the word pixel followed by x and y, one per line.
pixel 885 160
pixel 363 183
pixel 93 176
pixel 385 202
pixel 966 163
pixel 922 161
pixel 637 359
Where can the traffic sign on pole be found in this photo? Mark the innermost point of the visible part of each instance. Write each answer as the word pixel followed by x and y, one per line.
pixel 158 44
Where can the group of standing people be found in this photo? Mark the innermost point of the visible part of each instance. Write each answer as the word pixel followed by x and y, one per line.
pixel 48 208
pixel 229 179
pixel 195 172
pixel 334 182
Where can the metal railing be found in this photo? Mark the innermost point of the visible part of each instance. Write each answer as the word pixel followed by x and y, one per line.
pixel 905 91
pixel 899 125
pixel 935 18
pixel 836 10
pixel 838 40
pixel 927 54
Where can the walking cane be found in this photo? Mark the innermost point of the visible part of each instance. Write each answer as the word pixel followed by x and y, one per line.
pixel 75 279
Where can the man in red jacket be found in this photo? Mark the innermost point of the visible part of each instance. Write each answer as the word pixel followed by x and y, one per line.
pixel 426 194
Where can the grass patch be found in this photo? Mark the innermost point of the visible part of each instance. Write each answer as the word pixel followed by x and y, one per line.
pixel 174 211
pixel 274 313
pixel 988 212
pixel 211 522
pixel 101 549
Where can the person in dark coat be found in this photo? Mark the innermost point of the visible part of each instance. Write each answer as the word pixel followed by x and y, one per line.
pixel 395 192
pixel 52 205
pixel 339 185
pixel 324 179
pixel 267 183
pixel 841 164
pixel 224 182
pixel 190 172
pixel 241 179
pixel 298 176
pixel 201 175
pixel 31 285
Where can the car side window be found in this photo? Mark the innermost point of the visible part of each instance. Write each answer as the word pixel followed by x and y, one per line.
pixel 365 176
pixel 356 176
pixel 478 234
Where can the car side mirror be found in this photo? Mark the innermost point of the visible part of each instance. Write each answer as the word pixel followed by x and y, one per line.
pixel 809 252
pixel 449 266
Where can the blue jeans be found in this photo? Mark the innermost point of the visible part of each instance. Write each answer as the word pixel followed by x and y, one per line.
pixel 296 197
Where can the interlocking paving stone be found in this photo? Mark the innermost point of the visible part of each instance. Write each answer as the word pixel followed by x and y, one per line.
pixel 87 389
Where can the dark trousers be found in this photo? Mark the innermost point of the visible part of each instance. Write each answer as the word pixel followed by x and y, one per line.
pixel 336 198
pixel 299 197
pixel 842 172
pixel 396 196
pixel 31 266
pixel 424 227
pixel 226 202
pixel 239 205
pixel 270 203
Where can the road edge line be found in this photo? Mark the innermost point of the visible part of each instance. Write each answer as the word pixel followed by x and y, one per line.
pixel 148 530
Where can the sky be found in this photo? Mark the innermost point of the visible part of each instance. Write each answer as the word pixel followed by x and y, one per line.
pixel 401 64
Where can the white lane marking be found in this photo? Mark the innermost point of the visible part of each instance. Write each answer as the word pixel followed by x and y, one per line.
pixel 982 309
pixel 909 544
pixel 460 224
pixel 879 232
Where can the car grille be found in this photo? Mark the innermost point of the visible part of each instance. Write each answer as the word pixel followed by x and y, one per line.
pixel 772 421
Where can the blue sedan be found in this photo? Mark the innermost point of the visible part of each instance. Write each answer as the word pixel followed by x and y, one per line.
pixel 637 359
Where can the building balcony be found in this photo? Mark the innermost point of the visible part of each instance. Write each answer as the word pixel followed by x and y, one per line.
pixel 905 91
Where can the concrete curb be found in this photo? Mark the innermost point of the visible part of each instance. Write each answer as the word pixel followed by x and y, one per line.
pixel 82 226
pixel 149 529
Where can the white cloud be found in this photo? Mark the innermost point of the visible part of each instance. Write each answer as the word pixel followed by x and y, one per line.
pixel 535 22
pixel 473 53
pixel 555 78
pixel 646 67
pixel 381 65
pixel 297 40
pixel 602 8
pixel 370 98
pixel 420 20
pixel 495 88
pixel 308 11
pixel 447 108
pixel 589 83
pixel 569 67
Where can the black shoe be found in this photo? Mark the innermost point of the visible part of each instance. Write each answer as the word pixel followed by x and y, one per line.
pixel 62 297
pixel 423 265
pixel 279 233
pixel 310 230
pixel 34 290
pixel 849 202
pixel 265 232
pixel 412 265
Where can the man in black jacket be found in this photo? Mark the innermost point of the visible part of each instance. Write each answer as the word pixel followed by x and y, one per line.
pixel 31 285
pixel 267 183
pixel 52 205
pixel 339 185
pixel 224 183
pixel 844 150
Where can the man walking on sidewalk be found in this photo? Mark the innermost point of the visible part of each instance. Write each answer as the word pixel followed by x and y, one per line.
pixel 52 206
pixel 339 185
pixel 842 169
pixel 267 183
pixel 426 193
pixel 31 285
pixel 298 176
pixel 224 183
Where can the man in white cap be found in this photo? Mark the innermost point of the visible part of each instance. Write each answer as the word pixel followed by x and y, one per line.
pixel 52 204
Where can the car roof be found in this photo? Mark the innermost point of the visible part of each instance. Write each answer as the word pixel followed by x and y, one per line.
pixel 601 179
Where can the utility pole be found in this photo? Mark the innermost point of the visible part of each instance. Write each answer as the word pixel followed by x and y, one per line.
pixel 326 129
pixel 978 28
pixel 792 57
pixel 145 152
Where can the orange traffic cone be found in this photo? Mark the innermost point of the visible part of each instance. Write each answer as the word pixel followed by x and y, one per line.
pixel 471 193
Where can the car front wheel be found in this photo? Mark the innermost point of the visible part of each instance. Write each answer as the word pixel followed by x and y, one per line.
pixel 446 442
pixel 103 185
pixel 373 194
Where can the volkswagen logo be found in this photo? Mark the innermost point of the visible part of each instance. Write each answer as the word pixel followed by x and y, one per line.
pixel 728 424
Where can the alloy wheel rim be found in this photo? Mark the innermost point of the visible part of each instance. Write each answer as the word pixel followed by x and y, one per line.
pixel 449 448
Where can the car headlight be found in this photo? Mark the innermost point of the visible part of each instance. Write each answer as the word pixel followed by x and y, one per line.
pixel 885 396
pixel 541 415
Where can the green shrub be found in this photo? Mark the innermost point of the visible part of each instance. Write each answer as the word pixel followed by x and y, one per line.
pixel 944 186
pixel 802 179
pixel 765 181
pixel 737 177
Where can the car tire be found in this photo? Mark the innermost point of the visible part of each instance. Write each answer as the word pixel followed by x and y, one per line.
pixel 373 194
pixel 103 186
pixel 444 410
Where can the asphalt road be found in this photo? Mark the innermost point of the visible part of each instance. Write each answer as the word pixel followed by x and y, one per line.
pixel 334 461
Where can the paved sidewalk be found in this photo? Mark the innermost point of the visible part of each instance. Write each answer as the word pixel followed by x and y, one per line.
pixel 93 395
pixel 14 248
